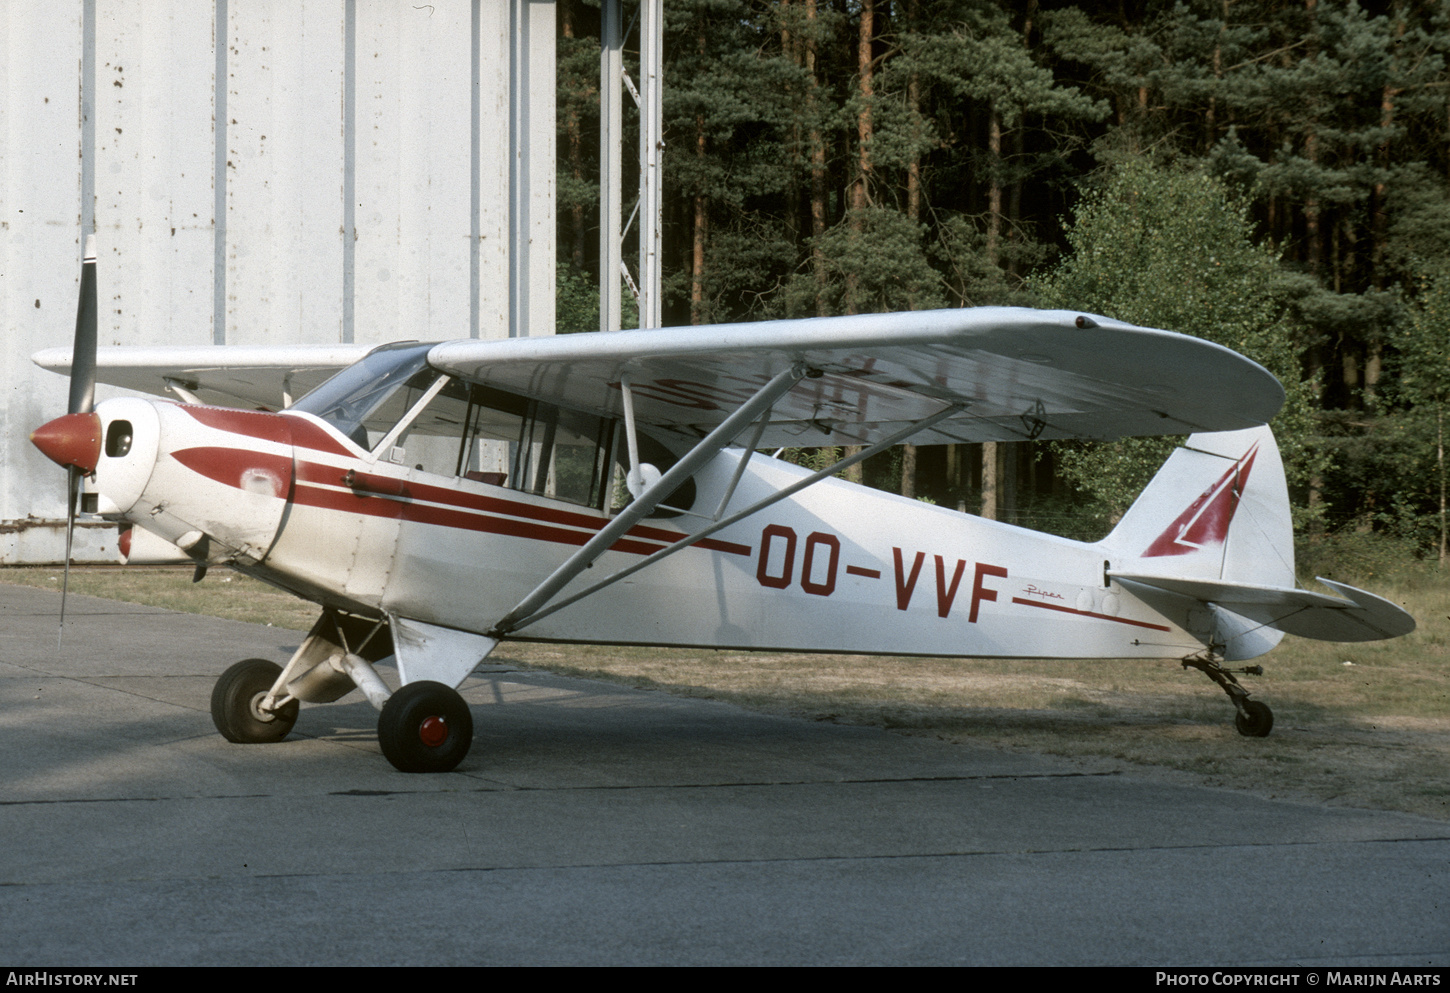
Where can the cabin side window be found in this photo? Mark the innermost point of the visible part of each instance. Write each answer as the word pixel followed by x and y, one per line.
pixel 393 404
pixel 432 437
pixel 489 436
pixel 538 448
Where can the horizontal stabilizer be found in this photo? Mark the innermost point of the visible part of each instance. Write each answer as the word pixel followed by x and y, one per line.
pixel 1353 616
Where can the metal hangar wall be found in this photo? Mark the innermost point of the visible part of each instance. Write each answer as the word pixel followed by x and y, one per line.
pixel 262 171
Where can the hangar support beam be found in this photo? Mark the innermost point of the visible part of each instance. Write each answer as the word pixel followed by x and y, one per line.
pixel 613 228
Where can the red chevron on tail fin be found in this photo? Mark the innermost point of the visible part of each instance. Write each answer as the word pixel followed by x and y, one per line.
pixel 1206 520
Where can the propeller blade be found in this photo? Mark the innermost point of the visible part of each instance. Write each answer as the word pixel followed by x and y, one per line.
pixel 82 400
pixel 83 355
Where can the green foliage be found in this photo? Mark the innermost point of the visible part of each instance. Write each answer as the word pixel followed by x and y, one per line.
pixel 743 264
pixel 1423 342
pixel 1361 557
pixel 970 278
pixel 874 262
pixel 1165 247
pixel 576 302
pixel 979 55
pixel 1421 391
pixel 1419 205
pixel 1324 124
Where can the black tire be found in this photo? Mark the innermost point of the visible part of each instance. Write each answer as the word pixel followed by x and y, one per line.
pixel 235 699
pixel 425 727
pixel 1256 721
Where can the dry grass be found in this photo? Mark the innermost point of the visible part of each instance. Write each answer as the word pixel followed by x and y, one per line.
pixel 222 593
pixel 1375 733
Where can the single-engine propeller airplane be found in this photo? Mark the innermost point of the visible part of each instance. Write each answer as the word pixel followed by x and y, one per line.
pixel 435 499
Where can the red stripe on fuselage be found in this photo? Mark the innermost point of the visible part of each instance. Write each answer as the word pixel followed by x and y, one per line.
pixel 463 520
pixel 239 467
pixel 226 465
pixel 312 472
pixel 305 434
pixel 1089 613
pixel 251 423
pixel 266 426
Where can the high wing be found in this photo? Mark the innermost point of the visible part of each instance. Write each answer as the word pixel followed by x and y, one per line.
pixel 222 375
pixel 1015 373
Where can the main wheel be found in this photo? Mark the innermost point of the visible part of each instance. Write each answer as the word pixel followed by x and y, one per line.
pixel 1256 721
pixel 425 727
pixel 236 702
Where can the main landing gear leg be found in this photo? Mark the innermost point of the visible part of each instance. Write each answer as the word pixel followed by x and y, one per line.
pixel 424 727
pixel 1253 719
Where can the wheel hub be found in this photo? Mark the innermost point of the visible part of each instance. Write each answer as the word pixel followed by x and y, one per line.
pixel 433 731
pixel 266 716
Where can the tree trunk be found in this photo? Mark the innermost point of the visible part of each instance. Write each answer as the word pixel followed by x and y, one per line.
pixel 994 185
pixel 819 177
pixel 574 152
pixel 1313 238
pixel 989 480
pixel 865 67
pixel 702 204
pixel 913 213
pixel 991 458
pixel 865 84
pixel 859 193
pixel 790 47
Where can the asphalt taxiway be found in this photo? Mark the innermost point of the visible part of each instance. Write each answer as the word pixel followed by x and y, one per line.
pixel 593 824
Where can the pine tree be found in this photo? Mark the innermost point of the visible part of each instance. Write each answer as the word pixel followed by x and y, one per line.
pixel 1168 248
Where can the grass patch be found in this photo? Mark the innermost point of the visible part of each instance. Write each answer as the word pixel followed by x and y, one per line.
pixel 1372 733
pixel 222 593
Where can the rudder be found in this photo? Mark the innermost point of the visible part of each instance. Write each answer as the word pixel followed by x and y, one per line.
pixel 1218 509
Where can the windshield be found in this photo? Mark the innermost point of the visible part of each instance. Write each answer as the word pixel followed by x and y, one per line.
pixel 354 399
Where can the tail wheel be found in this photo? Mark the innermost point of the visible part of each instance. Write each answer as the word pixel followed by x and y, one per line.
pixel 236 704
pixel 1255 721
pixel 425 727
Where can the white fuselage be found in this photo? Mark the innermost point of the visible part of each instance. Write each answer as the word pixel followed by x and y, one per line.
pixel 838 567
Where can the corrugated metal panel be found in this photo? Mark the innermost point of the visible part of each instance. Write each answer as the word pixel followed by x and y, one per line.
pixel 284 143
pixel 153 156
pixel 334 111
pixel 413 99
pixel 39 237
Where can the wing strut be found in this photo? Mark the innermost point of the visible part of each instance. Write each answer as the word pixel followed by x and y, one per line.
pixel 646 502
pixel 755 508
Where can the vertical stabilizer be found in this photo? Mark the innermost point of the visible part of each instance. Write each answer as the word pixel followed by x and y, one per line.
pixel 1218 509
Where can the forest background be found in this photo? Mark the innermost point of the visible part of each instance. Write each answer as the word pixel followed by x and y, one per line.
pixel 1272 175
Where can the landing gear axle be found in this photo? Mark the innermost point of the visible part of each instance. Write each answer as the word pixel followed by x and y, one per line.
pixel 1252 718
